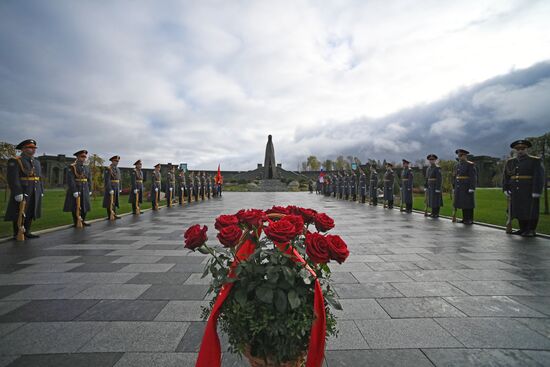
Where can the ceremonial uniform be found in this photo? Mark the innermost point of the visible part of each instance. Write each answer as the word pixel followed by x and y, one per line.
pixel 523 181
pixel 432 186
pixel 389 178
pixel 202 186
pixel 26 185
pixel 155 188
pixel 79 182
pixel 196 186
pixel 189 188
pixel 111 184
pixel 464 185
pixel 373 186
pixel 406 188
pixel 353 186
pixel 334 185
pixel 341 185
pixel 170 186
pixel 208 186
pixel 363 187
pixel 181 187
pixel 346 186
pixel 136 188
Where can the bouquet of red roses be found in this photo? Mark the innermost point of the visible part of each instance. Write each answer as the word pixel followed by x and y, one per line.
pixel 271 283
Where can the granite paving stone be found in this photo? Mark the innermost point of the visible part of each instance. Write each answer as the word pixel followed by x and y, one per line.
pixel 157 359
pixel 182 311
pixel 479 358
pixel 98 268
pixel 406 333
pixel 48 291
pixel 491 288
pixel 494 333
pixel 541 304
pixel 348 338
pixel 400 308
pixel 146 268
pixel 428 289
pixel 492 306
pixel 68 360
pixel 113 291
pixel 123 310
pixel 133 336
pixel 386 358
pixel 48 310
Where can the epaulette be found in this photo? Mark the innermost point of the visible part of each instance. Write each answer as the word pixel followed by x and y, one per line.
pixel 470 162
pixel 533 156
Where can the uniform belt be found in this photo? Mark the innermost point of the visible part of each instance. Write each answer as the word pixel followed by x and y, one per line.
pixel 32 178
pixel 432 179
pixel 405 179
pixel 139 180
pixel 462 177
pixel 387 180
pixel 81 180
pixel 115 181
pixel 521 177
pixel 157 181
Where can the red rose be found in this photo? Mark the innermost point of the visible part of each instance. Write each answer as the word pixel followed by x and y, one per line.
pixel 195 237
pixel 317 248
pixel 297 221
pixel 337 248
pixel 229 236
pixel 323 222
pixel 225 220
pixel 251 217
pixel 307 214
pixel 277 209
pixel 280 231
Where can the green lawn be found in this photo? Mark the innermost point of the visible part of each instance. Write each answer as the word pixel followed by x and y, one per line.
pixel 490 208
pixel 53 214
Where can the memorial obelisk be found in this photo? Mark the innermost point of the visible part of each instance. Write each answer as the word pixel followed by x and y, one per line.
pixel 270 167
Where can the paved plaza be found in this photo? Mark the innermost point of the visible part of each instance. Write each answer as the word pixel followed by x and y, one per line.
pixel 415 291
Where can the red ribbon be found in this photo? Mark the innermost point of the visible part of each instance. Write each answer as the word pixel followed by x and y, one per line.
pixel 210 351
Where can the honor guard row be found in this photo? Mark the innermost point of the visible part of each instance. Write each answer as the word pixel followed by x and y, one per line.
pixel 522 183
pixel 27 189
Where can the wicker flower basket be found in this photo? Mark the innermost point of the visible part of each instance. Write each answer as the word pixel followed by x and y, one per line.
pixel 260 362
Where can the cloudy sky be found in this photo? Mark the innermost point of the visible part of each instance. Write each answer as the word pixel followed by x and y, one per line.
pixel 205 82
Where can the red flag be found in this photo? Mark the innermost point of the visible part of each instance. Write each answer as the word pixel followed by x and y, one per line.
pixel 219 177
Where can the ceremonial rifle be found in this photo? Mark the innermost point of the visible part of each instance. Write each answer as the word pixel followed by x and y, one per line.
pixel 111 203
pixel 21 221
pixel 78 217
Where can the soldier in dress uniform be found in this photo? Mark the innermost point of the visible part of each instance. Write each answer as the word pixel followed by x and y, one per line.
pixel 170 184
pixel 26 185
pixel 342 184
pixel 363 186
pixel 389 180
pixel 156 187
pixel 464 185
pixel 523 182
pixel 353 186
pixel 111 183
pixel 208 185
pixel 79 182
pixel 190 189
pixel 334 184
pixel 202 185
pixel 373 185
pixel 346 186
pixel 136 188
pixel 433 185
pixel 407 186
pixel 196 186
pixel 181 187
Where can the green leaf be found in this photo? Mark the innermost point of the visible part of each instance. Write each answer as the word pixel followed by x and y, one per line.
pixel 293 299
pixel 334 302
pixel 280 301
pixel 264 294
pixel 240 296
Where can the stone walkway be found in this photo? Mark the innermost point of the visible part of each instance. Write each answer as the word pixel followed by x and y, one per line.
pixel 415 291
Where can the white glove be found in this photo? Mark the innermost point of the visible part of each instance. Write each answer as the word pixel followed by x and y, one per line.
pixel 507 193
pixel 437 191
pixel 156 189
pixel 181 189
pixel 535 196
pixel 136 191
pixel 120 191
pixel 41 195
pixel 111 192
pixel 170 189
pixel 19 198
pixel 90 193
pixel 75 194
pixel 471 190
pixel 425 189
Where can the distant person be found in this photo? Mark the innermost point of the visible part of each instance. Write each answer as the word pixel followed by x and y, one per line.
pixel 26 186
pixel 373 185
pixel 136 188
pixel 181 187
pixel 407 186
pixel 310 187
pixel 170 184
pixel 464 185
pixel 155 187
pixel 79 182
pixel 363 186
pixel 432 186
pixel 389 178
pixel 353 186
pixel 111 184
pixel 523 181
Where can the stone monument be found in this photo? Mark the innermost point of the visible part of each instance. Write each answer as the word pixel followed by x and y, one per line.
pixel 270 167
